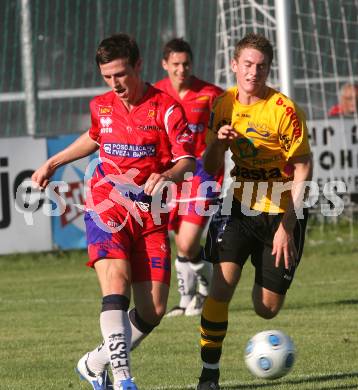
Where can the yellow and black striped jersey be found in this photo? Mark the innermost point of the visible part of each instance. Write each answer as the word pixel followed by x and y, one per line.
pixel 271 131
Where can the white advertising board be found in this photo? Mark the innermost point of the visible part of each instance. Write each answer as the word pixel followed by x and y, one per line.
pixel 20 229
pixel 334 144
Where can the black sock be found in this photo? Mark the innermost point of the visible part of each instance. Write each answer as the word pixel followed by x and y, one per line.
pixel 208 374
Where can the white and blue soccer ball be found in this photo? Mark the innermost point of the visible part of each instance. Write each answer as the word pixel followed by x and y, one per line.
pixel 270 354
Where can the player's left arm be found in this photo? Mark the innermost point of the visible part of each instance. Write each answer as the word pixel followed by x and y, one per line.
pixel 180 138
pixel 283 242
pixel 174 174
pixel 299 156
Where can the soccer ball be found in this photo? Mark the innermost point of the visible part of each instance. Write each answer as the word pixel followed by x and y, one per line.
pixel 270 354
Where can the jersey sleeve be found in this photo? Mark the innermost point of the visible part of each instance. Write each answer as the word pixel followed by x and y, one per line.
pixel 180 136
pixel 216 120
pixel 293 133
pixel 211 134
pixel 94 131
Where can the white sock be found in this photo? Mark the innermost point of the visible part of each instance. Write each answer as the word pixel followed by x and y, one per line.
pixel 98 359
pixel 137 334
pixel 203 271
pixel 137 337
pixel 116 332
pixel 186 282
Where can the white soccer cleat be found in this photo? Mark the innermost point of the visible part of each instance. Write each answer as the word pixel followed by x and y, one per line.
pixel 98 382
pixel 195 306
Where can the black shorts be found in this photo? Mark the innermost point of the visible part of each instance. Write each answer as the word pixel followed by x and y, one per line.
pixel 236 237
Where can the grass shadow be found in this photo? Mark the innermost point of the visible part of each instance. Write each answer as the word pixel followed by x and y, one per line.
pixel 300 306
pixel 347 302
pixel 301 381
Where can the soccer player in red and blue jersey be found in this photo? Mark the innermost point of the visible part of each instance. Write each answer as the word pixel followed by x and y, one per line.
pixel 143 140
pixel 186 219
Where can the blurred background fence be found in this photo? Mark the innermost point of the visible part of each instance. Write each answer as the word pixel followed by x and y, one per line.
pixel 63 36
pixel 321 38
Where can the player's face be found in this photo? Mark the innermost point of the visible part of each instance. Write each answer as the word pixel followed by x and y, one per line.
pixel 179 66
pixel 122 78
pixel 251 69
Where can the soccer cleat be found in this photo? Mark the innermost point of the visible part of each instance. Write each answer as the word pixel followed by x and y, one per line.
pixel 98 382
pixel 195 306
pixel 176 311
pixel 208 385
pixel 127 384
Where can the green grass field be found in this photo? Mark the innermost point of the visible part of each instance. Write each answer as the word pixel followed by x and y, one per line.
pixel 49 306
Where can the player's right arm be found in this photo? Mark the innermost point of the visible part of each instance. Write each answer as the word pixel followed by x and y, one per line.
pixel 218 144
pixel 82 147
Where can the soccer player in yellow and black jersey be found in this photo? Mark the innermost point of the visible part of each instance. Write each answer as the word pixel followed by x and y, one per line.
pixel 267 135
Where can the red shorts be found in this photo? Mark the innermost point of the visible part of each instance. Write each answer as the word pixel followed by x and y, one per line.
pixel 117 234
pixel 195 196
pixel 185 211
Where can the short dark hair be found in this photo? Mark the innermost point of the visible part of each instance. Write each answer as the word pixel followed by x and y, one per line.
pixel 254 41
pixel 177 45
pixel 116 46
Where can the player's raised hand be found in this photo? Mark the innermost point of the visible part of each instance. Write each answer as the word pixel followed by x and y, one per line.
pixel 41 177
pixel 227 133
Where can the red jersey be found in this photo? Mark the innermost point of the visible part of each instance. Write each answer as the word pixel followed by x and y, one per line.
pixel 150 138
pixel 197 104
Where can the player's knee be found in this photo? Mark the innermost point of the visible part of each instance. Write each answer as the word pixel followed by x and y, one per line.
pixel 188 251
pixel 154 312
pixel 266 311
pixel 159 312
pixel 153 315
pixel 267 303
pixel 197 255
pixel 141 323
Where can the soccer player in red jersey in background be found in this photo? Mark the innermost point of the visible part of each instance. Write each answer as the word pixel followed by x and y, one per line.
pixel 196 97
pixel 142 137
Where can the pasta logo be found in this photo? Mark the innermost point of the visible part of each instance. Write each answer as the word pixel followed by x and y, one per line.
pixel 256 174
pixel 105 110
